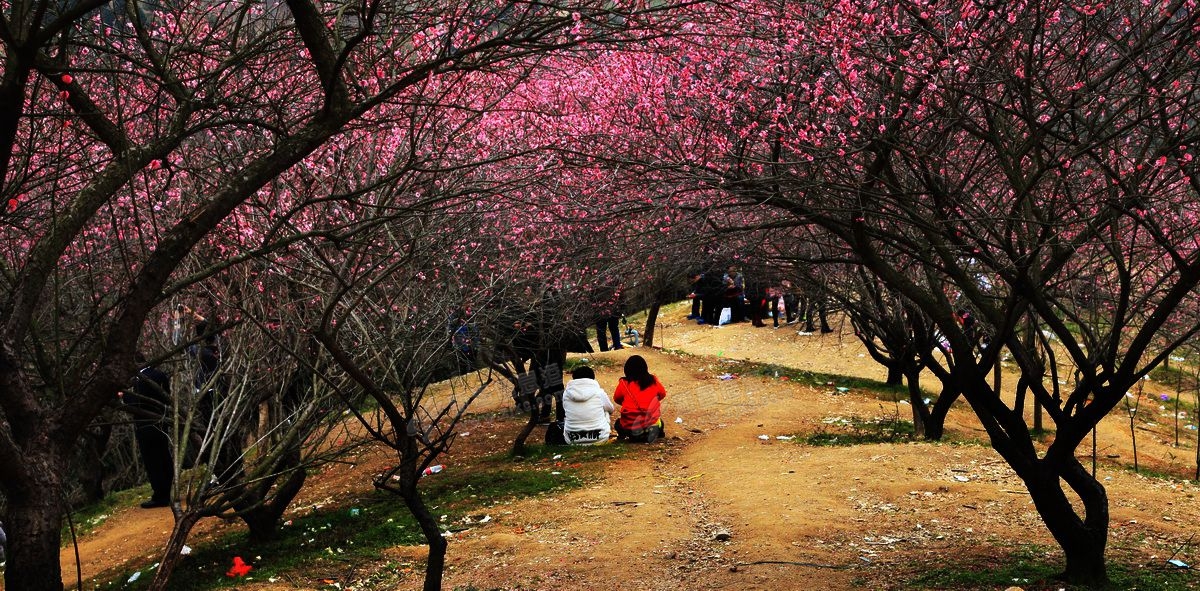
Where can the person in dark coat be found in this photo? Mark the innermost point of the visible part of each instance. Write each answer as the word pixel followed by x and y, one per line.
pixel 151 396
pixel 710 290
pixel 609 302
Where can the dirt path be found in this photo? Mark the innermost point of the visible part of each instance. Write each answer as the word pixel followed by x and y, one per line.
pixel 836 517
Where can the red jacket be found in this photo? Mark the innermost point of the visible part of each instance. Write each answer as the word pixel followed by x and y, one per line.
pixel 639 408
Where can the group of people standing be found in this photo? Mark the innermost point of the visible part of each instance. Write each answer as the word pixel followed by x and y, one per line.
pixel 714 292
pixel 587 409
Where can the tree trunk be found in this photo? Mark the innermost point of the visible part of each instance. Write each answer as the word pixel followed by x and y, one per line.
pixel 436 565
pixel 34 524
pixel 935 426
pixel 651 320
pixel 919 411
pixel 895 375
pixel 184 522
pixel 1083 540
pixel 518 448
pixel 263 521
pixel 33 529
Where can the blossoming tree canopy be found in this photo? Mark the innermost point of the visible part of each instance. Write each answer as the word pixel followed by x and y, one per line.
pixel 1035 159
pixel 148 146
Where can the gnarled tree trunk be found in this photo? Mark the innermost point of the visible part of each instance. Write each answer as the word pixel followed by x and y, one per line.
pixel 34 522
pixel 1083 540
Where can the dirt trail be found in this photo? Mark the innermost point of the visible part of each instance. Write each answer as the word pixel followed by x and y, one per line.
pixel 837 517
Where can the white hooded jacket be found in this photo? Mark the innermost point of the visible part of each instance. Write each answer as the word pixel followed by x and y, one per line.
pixel 587 409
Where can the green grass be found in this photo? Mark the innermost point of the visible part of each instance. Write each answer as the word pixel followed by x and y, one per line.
pixel 1172 375
pixel 868 386
pixel 1026 567
pixel 592 362
pixel 330 542
pixel 856 431
pixel 90 517
pixel 1035 568
pixel 1184 475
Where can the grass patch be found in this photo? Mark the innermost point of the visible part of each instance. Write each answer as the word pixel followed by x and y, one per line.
pixel 1180 376
pixel 588 360
pixel 843 383
pixel 330 543
pixel 856 431
pixel 1035 567
pixel 90 517
pixel 1184 474
pixel 1026 567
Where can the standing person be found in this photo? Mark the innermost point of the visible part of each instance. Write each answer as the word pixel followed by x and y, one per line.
pixel 639 393
pixel 711 292
pixel 756 296
pixel 206 350
pixel 211 385
pixel 586 408
pixel 694 279
pixel 735 294
pixel 609 305
pixel 791 300
pixel 151 396
pixel 775 304
pixel 608 325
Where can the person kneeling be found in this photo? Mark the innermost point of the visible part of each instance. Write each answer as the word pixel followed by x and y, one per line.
pixel 639 393
pixel 586 408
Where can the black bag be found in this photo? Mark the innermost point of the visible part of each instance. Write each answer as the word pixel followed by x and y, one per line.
pixel 554 434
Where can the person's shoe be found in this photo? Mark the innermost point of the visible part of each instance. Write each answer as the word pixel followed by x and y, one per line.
pixel 154 504
pixel 692 317
pixel 826 329
pixel 700 321
pixel 618 347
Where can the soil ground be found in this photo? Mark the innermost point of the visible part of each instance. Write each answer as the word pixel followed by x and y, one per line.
pixel 795 516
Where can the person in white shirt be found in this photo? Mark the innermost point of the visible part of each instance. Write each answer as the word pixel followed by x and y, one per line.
pixel 587 409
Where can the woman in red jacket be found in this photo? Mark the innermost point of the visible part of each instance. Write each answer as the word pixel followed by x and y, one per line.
pixel 639 393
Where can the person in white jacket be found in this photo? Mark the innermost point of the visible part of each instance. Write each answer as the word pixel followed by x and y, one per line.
pixel 587 409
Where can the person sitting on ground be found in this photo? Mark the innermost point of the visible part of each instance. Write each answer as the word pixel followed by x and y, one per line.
pixel 587 409
pixel 639 393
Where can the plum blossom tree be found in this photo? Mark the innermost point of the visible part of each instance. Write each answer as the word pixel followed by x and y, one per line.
pixel 1034 160
pixel 981 147
pixel 130 136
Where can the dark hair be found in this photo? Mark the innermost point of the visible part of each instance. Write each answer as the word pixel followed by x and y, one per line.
pixel 636 370
pixel 583 371
pixel 204 326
